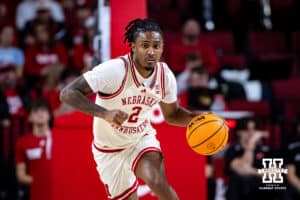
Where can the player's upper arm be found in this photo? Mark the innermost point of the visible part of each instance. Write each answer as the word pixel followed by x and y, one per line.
pixel 170 86
pixel 79 84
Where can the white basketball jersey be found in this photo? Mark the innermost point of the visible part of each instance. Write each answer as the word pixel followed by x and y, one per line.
pixel 136 100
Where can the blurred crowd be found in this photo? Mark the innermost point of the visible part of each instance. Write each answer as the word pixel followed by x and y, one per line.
pixel 227 55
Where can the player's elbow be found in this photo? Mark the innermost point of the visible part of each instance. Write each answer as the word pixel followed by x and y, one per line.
pixel 170 119
pixel 65 95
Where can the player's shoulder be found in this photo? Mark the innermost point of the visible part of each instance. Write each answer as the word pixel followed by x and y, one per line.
pixel 165 67
pixel 115 63
pixel 168 74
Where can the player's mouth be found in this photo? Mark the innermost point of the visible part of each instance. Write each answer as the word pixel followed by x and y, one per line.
pixel 150 61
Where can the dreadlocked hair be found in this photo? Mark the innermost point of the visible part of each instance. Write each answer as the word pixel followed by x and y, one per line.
pixel 138 25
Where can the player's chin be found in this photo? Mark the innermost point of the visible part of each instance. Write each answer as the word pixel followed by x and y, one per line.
pixel 149 67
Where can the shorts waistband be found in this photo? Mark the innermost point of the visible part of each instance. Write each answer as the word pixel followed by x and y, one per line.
pixel 107 150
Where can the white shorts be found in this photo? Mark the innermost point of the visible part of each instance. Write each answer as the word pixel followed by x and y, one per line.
pixel 116 167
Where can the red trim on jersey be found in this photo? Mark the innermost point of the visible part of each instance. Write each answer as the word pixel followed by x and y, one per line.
pixel 109 96
pixel 127 192
pixel 163 81
pixel 137 83
pixel 139 156
pixel 107 150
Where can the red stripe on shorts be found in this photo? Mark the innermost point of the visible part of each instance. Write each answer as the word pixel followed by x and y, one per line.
pixel 127 192
pixel 139 156
pixel 107 150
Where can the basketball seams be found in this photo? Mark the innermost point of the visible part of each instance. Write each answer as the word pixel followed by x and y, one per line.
pixel 222 143
pixel 212 135
pixel 200 126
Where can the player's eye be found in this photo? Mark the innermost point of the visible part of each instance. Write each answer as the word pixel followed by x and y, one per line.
pixel 156 46
pixel 145 45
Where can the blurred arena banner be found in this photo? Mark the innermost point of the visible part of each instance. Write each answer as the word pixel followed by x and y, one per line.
pixel 74 170
pixel 123 12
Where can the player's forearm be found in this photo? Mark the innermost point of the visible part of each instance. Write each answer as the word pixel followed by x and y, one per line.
pixel 181 117
pixel 80 102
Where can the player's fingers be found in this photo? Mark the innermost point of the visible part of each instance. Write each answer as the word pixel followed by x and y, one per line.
pixel 119 119
pixel 123 114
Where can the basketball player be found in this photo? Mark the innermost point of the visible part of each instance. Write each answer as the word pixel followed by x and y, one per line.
pixel 125 146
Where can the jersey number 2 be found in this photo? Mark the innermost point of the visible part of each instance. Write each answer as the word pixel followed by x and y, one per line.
pixel 134 116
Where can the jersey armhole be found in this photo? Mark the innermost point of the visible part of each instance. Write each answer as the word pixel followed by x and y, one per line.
pixel 109 96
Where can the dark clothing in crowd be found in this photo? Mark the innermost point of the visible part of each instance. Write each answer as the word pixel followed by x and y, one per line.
pixel 247 187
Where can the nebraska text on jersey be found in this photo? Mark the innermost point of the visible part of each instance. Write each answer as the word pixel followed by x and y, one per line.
pixel 139 99
pixel 132 130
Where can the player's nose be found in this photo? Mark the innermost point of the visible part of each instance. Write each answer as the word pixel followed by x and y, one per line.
pixel 150 51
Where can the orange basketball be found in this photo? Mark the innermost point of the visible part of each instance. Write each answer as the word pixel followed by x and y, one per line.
pixel 207 134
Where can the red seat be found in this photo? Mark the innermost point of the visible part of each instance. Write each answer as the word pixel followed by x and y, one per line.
pixel 295 43
pixel 281 5
pixel 223 42
pixel 236 61
pixel 291 111
pixel 234 7
pixel 286 90
pixel 282 14
pixel 183 4
pixel 158 5
pixel 260 108
pixel 267 42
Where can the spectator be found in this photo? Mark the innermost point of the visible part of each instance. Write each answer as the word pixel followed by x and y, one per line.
pixel 26 11
pixel 201 93
pixel 43 16
pixel 243 158
pixel 192 60
pixel 13 96
pixel 7 12
pixel 42 56
pixel 10 55
pixel 83 53
pixel 191 43
pixel 293 163
pixel 33 152
pixel 51 91
pixel 77 22
pixel 210 179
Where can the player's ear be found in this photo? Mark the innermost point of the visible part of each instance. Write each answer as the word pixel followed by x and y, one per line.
pixel 133 47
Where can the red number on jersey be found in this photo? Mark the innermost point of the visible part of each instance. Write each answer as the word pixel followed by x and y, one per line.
pixel 134 116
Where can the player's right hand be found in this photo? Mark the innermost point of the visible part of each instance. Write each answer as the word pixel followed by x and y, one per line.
pixel 115 116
